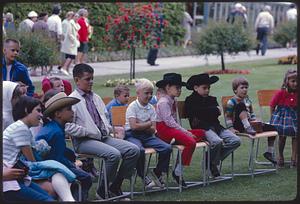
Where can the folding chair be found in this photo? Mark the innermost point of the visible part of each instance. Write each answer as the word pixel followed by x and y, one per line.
pixel 251 165
pixel 131 99
pixel 118 119
pixel 106 99
pixel 182 115
pixel 264 98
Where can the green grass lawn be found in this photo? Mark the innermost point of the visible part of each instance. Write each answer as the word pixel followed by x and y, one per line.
pixel 265 74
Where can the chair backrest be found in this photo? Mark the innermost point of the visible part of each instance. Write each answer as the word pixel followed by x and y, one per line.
pixel 181 114
pixel 106 99
pixel 264 98
pixel 224 100
pixel 131 99
pixel 118 114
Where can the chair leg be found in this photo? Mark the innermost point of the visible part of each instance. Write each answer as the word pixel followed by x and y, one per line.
pixel 251 157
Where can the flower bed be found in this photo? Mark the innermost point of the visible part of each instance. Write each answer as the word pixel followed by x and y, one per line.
pixel 229 71
pixel 115 82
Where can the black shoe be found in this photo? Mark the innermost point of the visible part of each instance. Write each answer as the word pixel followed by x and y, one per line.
pixel 115 192
pixel 177 179
pixel 269 157
pixel 100 193
pixel 214 170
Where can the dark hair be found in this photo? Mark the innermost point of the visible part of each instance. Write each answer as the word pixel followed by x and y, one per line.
pixel 42 15
pixel 292 6
pixel 79 69
pixel 24 106
pixel 56 9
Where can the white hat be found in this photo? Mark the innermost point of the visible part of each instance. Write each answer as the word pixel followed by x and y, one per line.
pixel 32 14
pixel 59 100
pixel 238 5
pixel 267 8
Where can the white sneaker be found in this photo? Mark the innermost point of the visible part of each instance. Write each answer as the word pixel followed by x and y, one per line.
pixel 65 72
pixel 149 183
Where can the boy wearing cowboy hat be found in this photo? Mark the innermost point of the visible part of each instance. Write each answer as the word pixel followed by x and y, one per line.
pixel 203 112
pixel 167 126
pixel 59 109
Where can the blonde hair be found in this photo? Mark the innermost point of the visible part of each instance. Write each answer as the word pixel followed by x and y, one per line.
pixel 289 74
pixel 239 81
pixel 143 83
pixel 120 89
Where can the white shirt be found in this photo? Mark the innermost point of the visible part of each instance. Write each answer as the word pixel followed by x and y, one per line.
pixel 8 68
pixel 264 19
pixel 54 24
pixel 12 185
pixel 291 14
pixel 140 112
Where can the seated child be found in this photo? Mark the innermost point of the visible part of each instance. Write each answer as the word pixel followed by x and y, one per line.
pixel 167 126
pixel 57 84
pixel 141 128
pixel 59 110
pixel 203 112
pixel 239 114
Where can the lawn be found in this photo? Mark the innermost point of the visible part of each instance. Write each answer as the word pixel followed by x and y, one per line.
pixel 264 74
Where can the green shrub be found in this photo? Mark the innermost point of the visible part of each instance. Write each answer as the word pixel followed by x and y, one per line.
pixel 36 49
pixel 286 32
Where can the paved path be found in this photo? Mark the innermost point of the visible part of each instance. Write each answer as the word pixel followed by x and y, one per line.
pixel 169 63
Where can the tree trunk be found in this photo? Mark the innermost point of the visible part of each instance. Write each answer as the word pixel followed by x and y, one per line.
pixel 132 63
pixel 222 61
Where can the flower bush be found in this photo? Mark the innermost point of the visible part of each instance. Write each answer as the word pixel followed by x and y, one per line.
pixel 136 25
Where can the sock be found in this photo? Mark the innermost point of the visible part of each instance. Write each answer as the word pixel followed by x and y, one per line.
pixel 178 170
pixel 62 187
pixel 246 123
pixel 270 149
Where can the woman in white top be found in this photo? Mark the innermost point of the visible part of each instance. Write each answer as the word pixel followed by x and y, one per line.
pixel 70 43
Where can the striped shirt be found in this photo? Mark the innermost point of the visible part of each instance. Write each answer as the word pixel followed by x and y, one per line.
pixel 15 136
pixel 230 109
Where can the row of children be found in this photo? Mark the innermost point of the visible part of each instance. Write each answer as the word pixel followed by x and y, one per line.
pixel 83 115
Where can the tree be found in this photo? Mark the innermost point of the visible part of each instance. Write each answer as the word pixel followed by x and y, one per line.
pixel 221 37
pixel 134 26
pixel 286 32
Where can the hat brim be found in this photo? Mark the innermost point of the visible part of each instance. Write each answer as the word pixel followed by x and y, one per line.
pixel 163 83
pixel 60 103
pixel 194 81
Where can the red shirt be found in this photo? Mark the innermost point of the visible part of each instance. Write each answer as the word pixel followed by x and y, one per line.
pixel 284 98
pixel 83 31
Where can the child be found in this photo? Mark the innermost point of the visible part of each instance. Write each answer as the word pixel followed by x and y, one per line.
pixel 56 83
pixel 121 93
pixel 12 69
pixel 239 115
pixel 284 115
pixel 58 109
pixel 17 139
pixel 140 130
pixel 203 112
pixel 167 125
pixel 90 113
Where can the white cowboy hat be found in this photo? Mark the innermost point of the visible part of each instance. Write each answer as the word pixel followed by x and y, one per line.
pixel 58 101
pixel 32 14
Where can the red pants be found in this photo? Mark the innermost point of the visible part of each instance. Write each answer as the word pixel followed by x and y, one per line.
pixel 167 133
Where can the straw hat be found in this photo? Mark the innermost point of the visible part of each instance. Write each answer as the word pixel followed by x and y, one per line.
pixel 59 101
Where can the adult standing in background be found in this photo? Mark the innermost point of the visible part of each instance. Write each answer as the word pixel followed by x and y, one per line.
pixel 264 25
pixel 187 25
pixel 70 43
pixel 9 24
pixel 41 25
pixel 238 14
pixel 152 55
pixel 26 25
pixel 291 13
pixel 83 33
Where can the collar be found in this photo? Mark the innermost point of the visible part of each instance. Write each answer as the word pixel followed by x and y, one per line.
pixel 82 93
pixel 148 106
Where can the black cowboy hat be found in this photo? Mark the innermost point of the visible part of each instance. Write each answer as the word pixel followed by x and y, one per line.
pixel 172 79
pixel 200 79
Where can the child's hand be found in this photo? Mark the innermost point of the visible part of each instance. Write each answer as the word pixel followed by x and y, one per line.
pixel 12 174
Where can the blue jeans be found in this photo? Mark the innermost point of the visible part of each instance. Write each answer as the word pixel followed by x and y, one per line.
pixel 143 140
pixel 221 145
pixel 262 36
pixel 33 192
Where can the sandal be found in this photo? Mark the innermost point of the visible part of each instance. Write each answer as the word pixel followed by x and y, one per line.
pixel 280 162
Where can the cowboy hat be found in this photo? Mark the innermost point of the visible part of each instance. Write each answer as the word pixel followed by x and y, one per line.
pixel 170 78
pixel 200 79
pixel 58 101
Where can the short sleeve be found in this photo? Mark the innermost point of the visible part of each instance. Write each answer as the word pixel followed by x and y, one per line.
pixel 21 136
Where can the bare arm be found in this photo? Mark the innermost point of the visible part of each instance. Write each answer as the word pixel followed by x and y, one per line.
pixel 27 151
pixel 12 174
pixel 136 125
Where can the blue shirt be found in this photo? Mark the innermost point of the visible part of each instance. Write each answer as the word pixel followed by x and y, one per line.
pixel 54 135
pixel 113 102
pixel 17 73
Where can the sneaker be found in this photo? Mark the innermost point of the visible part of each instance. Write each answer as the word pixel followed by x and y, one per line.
pixel 158 179
pixel 177 179
pixel 250 130
pixel 269 156
pixel 149 183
